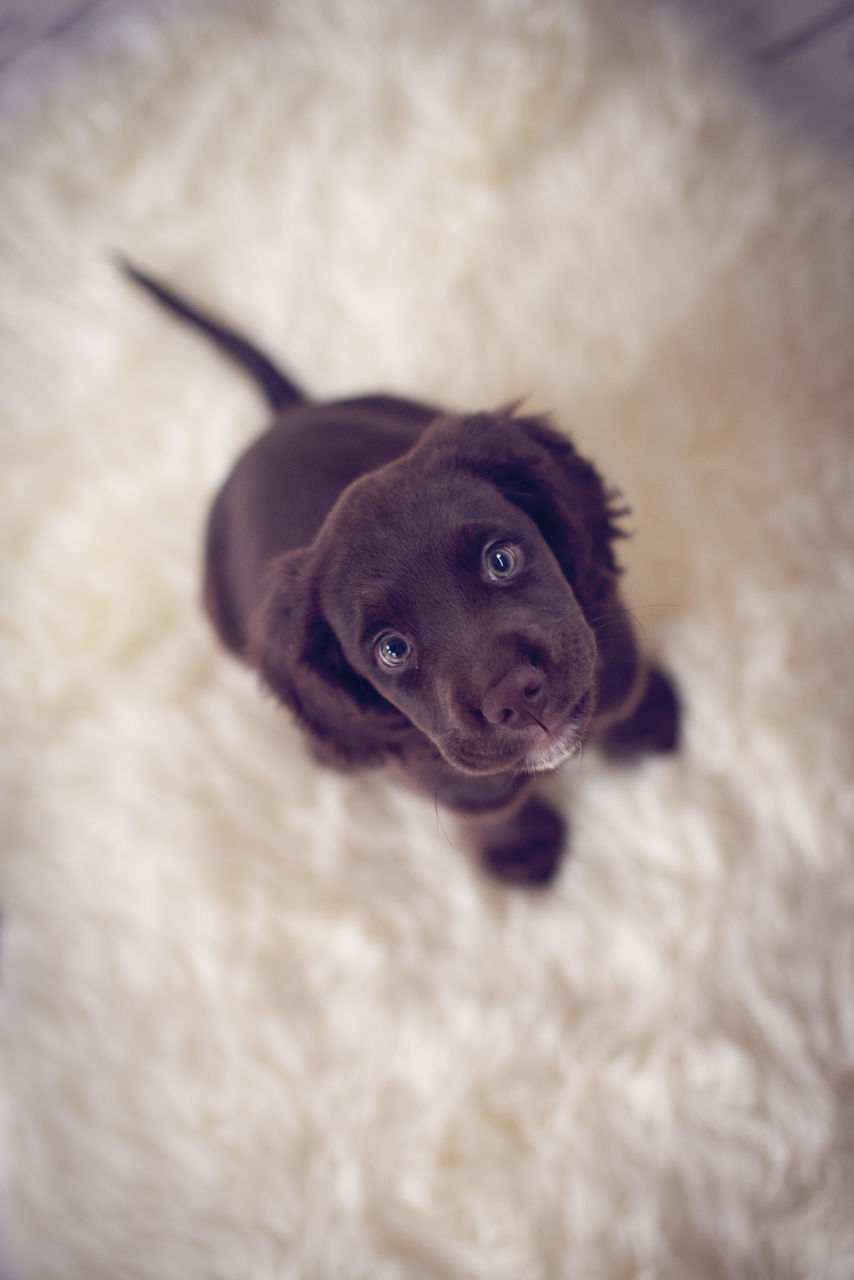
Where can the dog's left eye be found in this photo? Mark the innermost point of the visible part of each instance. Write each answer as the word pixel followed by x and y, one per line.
pixel 501 561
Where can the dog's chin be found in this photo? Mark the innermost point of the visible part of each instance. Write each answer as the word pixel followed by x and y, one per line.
pixel 555 751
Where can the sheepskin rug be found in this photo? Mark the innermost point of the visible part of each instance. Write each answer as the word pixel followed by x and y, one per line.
pixel 262 1021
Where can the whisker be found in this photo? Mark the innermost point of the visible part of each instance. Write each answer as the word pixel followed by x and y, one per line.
pixel 440 828
pixel 602 623
pixel 601 626
pixel 424 788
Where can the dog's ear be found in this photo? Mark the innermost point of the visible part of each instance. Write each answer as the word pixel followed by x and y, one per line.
pixel 300 661
pixel 540 471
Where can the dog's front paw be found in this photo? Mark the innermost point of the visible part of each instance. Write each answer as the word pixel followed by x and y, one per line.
pixel 525 849
pixel 653 725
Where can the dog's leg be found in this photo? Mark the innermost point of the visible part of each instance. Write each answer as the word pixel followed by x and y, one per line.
pixel 651 726
pixel 515 837
pixel 638 707
pixel 522 848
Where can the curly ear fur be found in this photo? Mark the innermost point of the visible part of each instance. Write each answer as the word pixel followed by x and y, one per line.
pixel 300 661
pixel 540 471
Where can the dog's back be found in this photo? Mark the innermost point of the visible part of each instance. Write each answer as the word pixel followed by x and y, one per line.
pixel 281 489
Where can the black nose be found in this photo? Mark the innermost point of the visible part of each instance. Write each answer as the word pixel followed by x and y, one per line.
pixel 517 698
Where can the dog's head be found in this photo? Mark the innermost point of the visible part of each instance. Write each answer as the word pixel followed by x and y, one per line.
pixel 456 589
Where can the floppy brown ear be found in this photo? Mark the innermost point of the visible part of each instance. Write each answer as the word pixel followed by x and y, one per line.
pixel 300 661
pixel 540 471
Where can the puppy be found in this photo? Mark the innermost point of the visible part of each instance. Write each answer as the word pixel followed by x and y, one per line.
pixel 432 592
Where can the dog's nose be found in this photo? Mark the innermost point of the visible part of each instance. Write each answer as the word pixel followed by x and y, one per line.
pixel 516 699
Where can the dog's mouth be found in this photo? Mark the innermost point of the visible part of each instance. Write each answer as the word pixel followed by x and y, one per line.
pixel 537 748
pixel 555 747
pixel 556 750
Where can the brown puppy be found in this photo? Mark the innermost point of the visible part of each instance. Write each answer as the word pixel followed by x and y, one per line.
pixel 432 592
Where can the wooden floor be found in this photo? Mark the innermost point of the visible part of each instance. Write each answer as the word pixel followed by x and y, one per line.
pixel 801 52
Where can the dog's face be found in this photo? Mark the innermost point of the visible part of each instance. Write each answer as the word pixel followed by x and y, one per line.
pixel 454 590
pixel 447 600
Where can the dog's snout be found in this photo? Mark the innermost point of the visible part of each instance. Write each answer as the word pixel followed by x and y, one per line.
pixel 516 699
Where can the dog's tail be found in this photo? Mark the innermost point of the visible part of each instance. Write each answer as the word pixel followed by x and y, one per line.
pixel 278 390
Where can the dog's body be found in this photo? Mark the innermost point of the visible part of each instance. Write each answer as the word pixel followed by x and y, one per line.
pixel 431 592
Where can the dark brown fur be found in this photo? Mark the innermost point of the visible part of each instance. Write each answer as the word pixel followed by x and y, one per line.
pixel 353 529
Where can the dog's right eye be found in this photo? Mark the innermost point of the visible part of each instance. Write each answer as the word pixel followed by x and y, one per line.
pixel 501 561
pixel 392 650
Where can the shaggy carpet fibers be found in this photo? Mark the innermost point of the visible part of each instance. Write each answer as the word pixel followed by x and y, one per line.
pixel 263 1021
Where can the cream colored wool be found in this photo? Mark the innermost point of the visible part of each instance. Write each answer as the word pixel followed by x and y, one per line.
pixel 260 1020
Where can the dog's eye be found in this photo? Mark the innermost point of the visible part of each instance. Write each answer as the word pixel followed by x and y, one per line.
pixel 392 650
pixel 501 561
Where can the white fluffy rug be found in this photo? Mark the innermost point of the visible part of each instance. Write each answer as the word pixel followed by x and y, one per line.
pixel 262 1021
